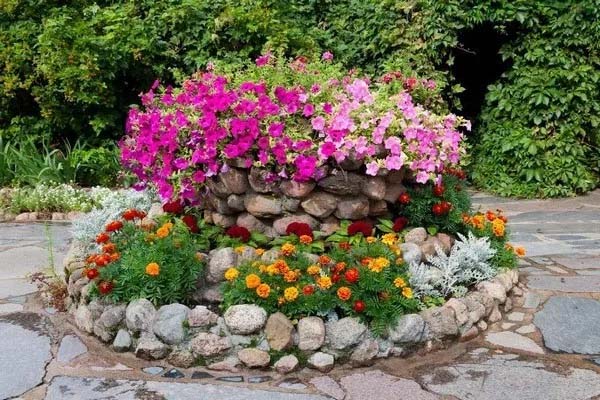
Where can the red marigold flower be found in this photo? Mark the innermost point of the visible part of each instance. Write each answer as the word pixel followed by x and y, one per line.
pixel 192 223
pixel 364 227
pixel 345 246
pixel 299 229
pixel 399 224
pixel 359 306
pixel 102 238
pixel 113 226
pixel 308 290
pixel 130 215
pixel 238 232
pixel 173 207
pixel 352 275
pixel 105 287
pixel 92 273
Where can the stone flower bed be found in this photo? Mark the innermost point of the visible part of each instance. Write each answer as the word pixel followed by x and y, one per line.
pixel 246 334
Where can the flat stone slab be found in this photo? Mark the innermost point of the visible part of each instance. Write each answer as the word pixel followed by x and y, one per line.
pixel 381 386
pixel 532 300
pixel 76 388
pixel 574 284
pixel 514 341
pixel 24 353
pixel 578 261
pixel 502 378
pixel 70 348
pixel 570 324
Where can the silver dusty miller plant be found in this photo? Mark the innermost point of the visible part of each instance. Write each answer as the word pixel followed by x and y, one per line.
pixel 443 275
pixel 111 207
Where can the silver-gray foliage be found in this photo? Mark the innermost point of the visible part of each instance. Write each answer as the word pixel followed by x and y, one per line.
pixel 443 275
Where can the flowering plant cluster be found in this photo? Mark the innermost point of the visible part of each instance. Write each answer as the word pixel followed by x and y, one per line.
pixel 366 279
pixel 135 260
pixel 291 118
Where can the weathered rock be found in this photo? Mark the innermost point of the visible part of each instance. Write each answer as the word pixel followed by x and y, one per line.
pixel 378 208
pixel 254 358
pixel 279 331
pixel 342 183
pixel 251 223
pixel 139 315
pixel 352 208
pixel 168 324
pixel 236 202
pixel 228 364
pixel 320 204
pixel 181 358
pixel 460 310
pixel 410 328
pixel 217 188
pixel 235 180
pixel 155 211
pixel 393 191
pixel 297 189
pixel 411 253
pixel 329 226
pixel 416 235
pixel 105 334
pixel 244 319
pixel 210 293
pixel 262 181
pixel 469 334
pixel 201 316
pixel 220 261
pixel 321 361
pixel 396 176
pixel 374 188
pixel 209 344
pixel 263 206
pixel 440 321
pixel 475 309
pixel 446 241
pixel 286 364
pixel 365 353
pixel 482 325
pixel 495 290
pixel 219 204
pixel 282 223
pixel 508 304
pixel 429 247
pixel 150 348
pixel 270 256
pixel 514 341
pixel 83 319
pixel 344 333
pixel 222 220
pixel 122 341
pixel 482 298
pixel 311 333
pixel 494 315
pixel 290 204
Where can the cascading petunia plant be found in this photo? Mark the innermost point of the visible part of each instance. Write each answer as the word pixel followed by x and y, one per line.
pixel 289 117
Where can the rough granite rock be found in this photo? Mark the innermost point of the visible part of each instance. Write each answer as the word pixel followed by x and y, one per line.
pixel 410 328
pixel 254 358
pixel 460 310
pixel 311 333
pixel 321 361
pixel 263 206
pixel 150 348
pixel 494 315
pixel 495 290
pixel 286 364
pixel 429 247
pixel 279 330
pixel 244 319
pixel 208 344
pixel 219 205
pixel 440 322
pixel 446 242
pixel 230 364
pixel 365 353
pixel 261 181
pixel 297 189
pixel 352 208
pixel 168 324
pixel 182 358
pixel 220 261
pixel 122 341
pixel 342 183
pixel 235 180
pixel 83 319
pixel 222 220
pixel 344 333
pixel 374 188
pixel 320 204
pixel 416 235
pixel 236 202
pixel 251 223
pixel 393 191
pixel 139 315
pixel 201 316
pixel 329 226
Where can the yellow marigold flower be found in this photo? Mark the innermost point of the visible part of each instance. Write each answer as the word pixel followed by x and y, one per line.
pixel 288 249
pixel 153 269
pixel 259 252
pixel 478 221
pixel 162 232
pixel 520 250
pixel 290 294
pixel 252 281
pixel 290 276
pixel 239 249
pixel 407 292
pixel 255 264
pixel 498 227
pixel 324 282
pixel 305 239
pixel 397 251
pixel 344 293
pixel 272 270
pixel 262 268
pixel 168 225
pixel 378 264
pixel 313 270
pixel 508 246
pixel 150 237
pixel 231 274
pixel 399 282
pixel 389 239
pixel 371 239
pixel 263 290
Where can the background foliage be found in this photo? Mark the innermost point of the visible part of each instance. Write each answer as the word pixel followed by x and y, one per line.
pixel 69 70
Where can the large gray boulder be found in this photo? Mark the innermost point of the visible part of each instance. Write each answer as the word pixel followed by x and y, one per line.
pixel 168 324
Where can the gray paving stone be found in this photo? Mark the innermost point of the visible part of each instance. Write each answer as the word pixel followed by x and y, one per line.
pixel 381 386
pixel 498 378
pixel 514 341
pixel 153 370
pixel 8 308
pixel 575 284
pixel 76 388
pixel 15 287
pixel 570 324
pixel 578 261
pixel 70 347
pixel 556 269
pixel 526 329
pixel 532 300
pixel 24 353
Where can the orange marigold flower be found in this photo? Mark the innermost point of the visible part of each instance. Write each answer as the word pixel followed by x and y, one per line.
pixel 290 276
pixel 252 281
pixel 324 259
pixel 365 261
pixel 288 249
pixel 324 282
pixel 399 282
pixel 290 294
pixel 313 270
pixel 102 238
pixel 490 215
pixel 520 250
pixel 498 227
pixel 130 215
pixel 115 256
pixel 508 246
pixel 339 267
pixel 371 239
pixel 109 248
pixel 263 290
pixel 478 221
pixel 306 239
pixel 162 232
pixel 91 258
pixel 231 274
pixel 113 226
pixel 378 264
pixel 344 293
pixel 345 246
pixel 153 269
pixel 407 292
pixel 280 300
pixel 259 252
pixel 281 266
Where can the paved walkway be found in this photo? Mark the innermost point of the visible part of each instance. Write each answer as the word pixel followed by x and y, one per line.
pixel 546 347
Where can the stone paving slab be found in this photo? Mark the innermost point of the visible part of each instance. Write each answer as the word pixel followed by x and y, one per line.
pixel 77 388
pixel 578 261
pixel 572 284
